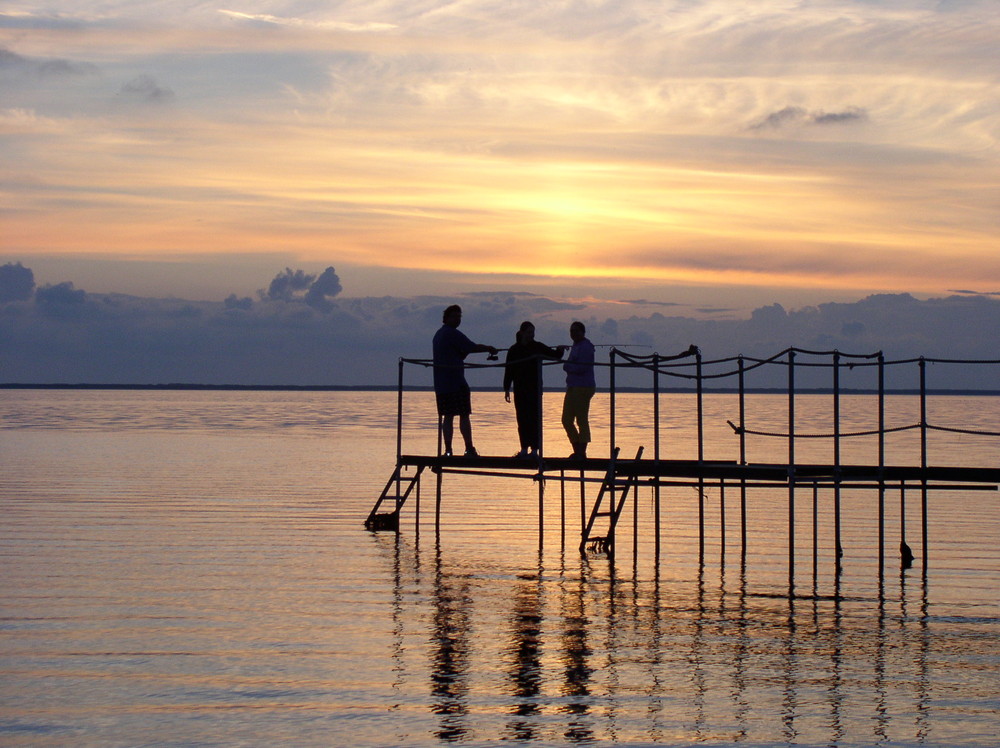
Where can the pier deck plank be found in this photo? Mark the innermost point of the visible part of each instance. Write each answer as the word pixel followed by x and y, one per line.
pixel 711 469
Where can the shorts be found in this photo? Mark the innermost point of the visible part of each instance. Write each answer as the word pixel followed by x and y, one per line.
pixel 457 403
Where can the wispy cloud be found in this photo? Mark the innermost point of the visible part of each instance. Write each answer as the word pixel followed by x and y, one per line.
pixel 369 26
pixel 794 115
pixel 827 144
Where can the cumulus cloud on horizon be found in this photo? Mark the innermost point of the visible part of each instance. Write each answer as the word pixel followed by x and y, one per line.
pixel 61 333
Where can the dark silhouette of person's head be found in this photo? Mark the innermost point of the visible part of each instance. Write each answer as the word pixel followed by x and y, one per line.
pixel 452 316
pixel 526 332
pixel 577 331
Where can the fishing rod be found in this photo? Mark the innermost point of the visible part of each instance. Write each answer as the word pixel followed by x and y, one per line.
pixel 494 357
pixel 621 345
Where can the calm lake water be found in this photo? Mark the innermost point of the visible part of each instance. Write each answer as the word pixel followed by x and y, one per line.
pixel 191 569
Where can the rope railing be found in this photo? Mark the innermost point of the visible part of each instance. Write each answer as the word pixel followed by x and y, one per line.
pixel 798 435
pixel 667 365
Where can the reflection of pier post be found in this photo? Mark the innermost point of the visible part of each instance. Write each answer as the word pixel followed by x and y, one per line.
pixel 576 664
pixel 526 654
pixel 451 648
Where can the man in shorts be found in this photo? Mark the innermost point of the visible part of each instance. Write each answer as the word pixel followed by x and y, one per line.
pixel 450 388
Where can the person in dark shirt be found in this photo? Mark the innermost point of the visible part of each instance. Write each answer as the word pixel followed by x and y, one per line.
pixel 522 372
pixel 450 388
pixel 580 388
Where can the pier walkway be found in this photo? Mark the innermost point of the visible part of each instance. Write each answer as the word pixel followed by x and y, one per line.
pixel 619 477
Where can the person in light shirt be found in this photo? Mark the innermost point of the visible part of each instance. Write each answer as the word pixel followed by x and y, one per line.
pixel 580 388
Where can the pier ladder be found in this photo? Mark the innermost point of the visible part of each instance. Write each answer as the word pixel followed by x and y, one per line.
pixel 393 490
pixel 610 487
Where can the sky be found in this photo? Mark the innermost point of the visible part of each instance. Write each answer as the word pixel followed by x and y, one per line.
pixel 700 158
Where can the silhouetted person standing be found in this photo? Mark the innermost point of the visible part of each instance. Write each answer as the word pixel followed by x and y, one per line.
pixel 523 371
pixel 450 388
pixel 580 388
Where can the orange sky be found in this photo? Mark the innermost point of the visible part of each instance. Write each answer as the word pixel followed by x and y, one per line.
pixel 835 147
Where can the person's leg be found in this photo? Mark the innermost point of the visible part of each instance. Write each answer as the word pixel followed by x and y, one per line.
pixel 465 427
pixel 447 432
pixel 523 419
pixel 465 419
pixel 569 417
pixel 583 417
pixel 532 422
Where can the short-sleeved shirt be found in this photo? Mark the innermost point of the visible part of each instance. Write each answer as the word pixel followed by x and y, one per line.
pixel 579 366
pixel 450 349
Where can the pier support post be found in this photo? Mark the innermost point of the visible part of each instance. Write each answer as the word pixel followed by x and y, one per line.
pixel 541 512
pixel 656 456
pixel 722 521
pixel 923 462
pixel 906 555
pixel 701 458
pixel 838 548
pixel 562 509
pixel 881 464
pixel 791 472
pixel 743 461
pixel 437 503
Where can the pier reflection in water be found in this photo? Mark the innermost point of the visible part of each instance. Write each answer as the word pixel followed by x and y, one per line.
pixel 572 653
pixel 190 568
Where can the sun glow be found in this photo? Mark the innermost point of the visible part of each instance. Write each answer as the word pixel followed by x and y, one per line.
pixel 509 148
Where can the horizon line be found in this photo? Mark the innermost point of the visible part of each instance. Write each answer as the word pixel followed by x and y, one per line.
pixel 181 386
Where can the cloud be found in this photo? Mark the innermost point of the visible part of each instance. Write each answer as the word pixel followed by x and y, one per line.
pixel 61 301
pixel 12 19
pixel 646 302
pixel 522 137
pixel 43 67
pixel 796 115
pixel 17 282
pixel 60 293
pixel 285 284
pixel 975 293
pixel 323 25
pixel 144 88
pixel 234 302
pixel 69 335
pixel 326 285
pixel 852 114
pixel 716 310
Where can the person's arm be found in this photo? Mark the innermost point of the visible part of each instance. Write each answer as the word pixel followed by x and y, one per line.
pixel 552 353
pixel 508 373
pixel 469 347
